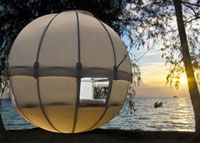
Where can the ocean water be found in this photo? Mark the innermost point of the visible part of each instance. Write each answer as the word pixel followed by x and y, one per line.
pixel 175 115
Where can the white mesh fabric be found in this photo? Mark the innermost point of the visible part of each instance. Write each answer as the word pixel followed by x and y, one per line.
pixel 118 92
pixel 57 90
pixel 25 47
pixel 57 81
pixel 120 51
pixel 96 49
pixel 25 90
pixel 60 44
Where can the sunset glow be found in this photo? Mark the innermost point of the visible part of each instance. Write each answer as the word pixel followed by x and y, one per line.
pixel 153 78
pixel 183 78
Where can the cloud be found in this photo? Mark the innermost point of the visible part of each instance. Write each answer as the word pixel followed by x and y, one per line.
pixel 154 73
pixel 154 82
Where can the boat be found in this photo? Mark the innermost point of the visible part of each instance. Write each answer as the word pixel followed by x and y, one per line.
pixel 157 104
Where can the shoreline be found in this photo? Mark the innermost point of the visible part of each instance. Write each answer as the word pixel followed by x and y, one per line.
pixel 37 135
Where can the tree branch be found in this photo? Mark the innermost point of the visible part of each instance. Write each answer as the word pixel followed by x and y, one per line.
pixel 195 18
pixel 192 4
pixel 193 10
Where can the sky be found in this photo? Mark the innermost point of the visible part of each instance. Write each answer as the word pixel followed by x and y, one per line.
pixel 153 74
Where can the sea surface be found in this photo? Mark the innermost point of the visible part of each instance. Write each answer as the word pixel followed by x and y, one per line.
pixel 176 114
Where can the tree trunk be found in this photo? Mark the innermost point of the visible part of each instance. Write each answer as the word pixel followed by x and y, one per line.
pixel 192 84
pixel 3 138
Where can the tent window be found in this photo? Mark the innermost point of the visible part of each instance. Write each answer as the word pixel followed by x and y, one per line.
pixel 94 91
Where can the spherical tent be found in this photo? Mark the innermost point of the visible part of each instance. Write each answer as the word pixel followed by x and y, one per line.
pixel 56 60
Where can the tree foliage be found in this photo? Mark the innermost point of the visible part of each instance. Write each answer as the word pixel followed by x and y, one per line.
pixel 154 20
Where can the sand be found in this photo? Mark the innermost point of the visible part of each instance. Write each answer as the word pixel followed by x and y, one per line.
pixel 100 136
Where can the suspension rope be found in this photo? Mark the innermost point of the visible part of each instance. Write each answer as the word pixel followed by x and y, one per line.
pixel 137 60
pixel 125 56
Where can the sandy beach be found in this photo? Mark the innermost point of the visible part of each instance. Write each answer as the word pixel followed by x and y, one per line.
pixel 100 136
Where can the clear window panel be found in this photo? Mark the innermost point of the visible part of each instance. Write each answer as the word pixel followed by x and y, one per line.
pixel 25 91
pixel 117 98
pixel 118 92
pixel 93 94
pixel 111 113
pixel 94 88
pixel 58 95
pixel 87 117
